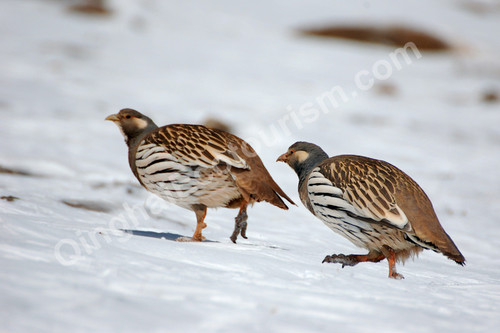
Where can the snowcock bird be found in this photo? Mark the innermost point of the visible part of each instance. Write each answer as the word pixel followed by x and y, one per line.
pixel 370 202
pixel 196 167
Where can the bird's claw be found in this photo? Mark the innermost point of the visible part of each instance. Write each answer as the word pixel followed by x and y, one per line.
pixel 189 239
pixel 240 227
pixel 395 275
pixel 341 259
pixel 234 236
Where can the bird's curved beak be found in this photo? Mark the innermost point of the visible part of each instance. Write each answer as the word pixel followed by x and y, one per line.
pixel 112 117
pixel 283 158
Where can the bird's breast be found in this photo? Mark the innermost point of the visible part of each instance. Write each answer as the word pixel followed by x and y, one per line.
pixel 182 183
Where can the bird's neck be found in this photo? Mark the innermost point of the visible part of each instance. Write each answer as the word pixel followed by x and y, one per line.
pixel 134 137
pixel 304 168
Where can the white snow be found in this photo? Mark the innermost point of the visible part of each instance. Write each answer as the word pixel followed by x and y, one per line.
pixel 62 73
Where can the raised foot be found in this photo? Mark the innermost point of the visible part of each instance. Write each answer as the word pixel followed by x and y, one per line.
pixel 349 260
pixel 239 229
pixel 189 239
pixel 240 226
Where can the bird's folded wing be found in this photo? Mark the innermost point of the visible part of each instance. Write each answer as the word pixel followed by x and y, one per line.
pixel 196 145
pixel 371 205
pixel 370 193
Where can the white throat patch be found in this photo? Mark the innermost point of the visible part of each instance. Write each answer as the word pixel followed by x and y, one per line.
pixel 301 156
pixel 139 123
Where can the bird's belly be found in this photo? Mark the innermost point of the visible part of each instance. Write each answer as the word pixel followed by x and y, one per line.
pixel 186 185
pixel 369 235
pixel 216 188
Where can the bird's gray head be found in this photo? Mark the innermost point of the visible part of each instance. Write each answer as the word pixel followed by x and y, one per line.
pixel 302 157
pixel 132 124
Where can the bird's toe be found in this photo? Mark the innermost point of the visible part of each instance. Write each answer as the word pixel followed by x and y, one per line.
pixel 341 259
pixel 189 239
pixel 243 232
pixel 397 276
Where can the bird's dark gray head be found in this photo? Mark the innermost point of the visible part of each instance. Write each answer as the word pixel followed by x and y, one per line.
pixel 302 157
pixel 132 124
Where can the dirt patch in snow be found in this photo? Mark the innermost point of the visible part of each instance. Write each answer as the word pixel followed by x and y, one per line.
pixel 88 205
pixel 393 35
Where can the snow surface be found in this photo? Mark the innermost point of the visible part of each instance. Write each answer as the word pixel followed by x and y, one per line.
pixel 62 73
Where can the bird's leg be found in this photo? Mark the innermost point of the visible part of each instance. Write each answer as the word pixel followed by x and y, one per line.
pixel 240 223
pixel 353 259
pixel 200 223
pixel 201 212
pixel 391 258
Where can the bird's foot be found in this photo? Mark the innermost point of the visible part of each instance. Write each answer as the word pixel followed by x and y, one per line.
pixel 240 227
pixel 396 275
pixel 190 239
pixel 349 260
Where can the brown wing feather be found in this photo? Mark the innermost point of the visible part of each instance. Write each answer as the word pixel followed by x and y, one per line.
pixel 368 186
pixel 255 182
pixel 424 221
pixel 198 145
pixel 384 193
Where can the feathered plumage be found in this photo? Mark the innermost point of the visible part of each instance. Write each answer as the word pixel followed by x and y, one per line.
pixel 370 202
pixel 197 168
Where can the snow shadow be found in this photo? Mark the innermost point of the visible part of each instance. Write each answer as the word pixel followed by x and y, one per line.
pixel 160 235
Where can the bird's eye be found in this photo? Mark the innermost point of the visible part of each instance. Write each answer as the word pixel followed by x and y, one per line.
pixel 292 151
pixel 128 116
